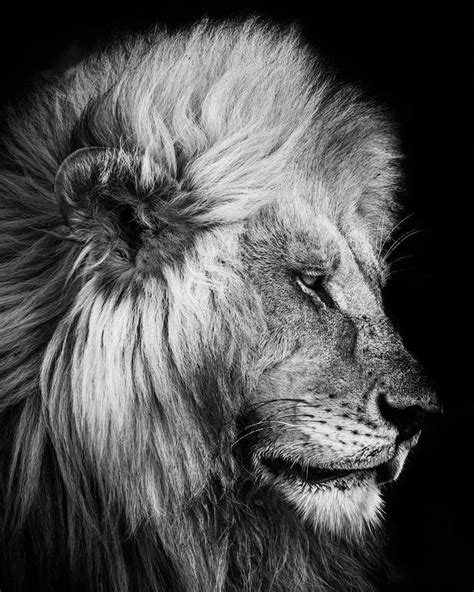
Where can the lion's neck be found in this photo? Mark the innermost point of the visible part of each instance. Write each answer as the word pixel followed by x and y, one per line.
pixel 227 543
pixel 272 550
pixel 256 542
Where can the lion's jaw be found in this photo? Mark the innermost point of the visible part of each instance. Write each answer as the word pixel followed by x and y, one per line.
pixel 345 502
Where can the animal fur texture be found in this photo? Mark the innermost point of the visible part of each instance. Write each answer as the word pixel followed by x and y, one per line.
pixel 163 353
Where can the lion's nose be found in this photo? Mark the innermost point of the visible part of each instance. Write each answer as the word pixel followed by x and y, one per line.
pixel 408 420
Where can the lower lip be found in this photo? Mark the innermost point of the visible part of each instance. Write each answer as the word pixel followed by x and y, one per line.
pixel 312 476
pixel 309 475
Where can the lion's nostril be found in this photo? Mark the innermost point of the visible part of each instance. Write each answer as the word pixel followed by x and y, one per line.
pixel 408 420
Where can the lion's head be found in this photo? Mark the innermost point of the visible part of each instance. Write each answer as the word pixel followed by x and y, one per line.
pixel 200 388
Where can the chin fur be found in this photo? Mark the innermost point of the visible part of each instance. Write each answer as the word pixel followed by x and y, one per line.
pixel 347 511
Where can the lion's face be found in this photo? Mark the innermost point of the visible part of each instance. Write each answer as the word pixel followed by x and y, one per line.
pixel 339 401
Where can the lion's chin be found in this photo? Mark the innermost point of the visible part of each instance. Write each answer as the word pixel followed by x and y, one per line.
pixel 346 511
pixel 346 502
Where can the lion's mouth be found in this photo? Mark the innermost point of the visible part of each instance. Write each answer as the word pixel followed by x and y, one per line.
pixel 311 475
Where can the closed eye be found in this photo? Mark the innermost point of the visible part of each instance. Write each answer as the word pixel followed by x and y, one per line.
pixel 315 285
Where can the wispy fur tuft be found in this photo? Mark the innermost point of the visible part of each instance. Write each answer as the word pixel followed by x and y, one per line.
pixel 125 320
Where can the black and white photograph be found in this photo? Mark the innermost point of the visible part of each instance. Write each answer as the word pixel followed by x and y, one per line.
pixel 235 297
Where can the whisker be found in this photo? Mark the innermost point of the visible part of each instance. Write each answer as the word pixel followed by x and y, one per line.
pixel 247 435
pixel 276 401
pixel 392 231
pixel 285 423
pixel 264 423
pixel 379 234
pixel 410 256
pixel 400 241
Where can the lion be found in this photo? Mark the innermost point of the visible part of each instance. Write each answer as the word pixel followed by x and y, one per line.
pixel 200 390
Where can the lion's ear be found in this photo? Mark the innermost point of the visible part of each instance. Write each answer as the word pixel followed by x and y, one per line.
pixel 78 175
pixel 96 192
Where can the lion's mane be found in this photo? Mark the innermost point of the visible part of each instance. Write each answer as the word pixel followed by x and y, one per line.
pixel 123 374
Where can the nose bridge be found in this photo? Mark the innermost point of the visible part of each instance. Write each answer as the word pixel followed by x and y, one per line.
pixel 400 377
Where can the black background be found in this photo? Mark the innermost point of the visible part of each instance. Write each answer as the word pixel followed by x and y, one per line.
pixel 416 59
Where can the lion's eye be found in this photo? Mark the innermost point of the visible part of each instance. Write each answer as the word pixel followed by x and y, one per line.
pixel 310 281
pixel 315 285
